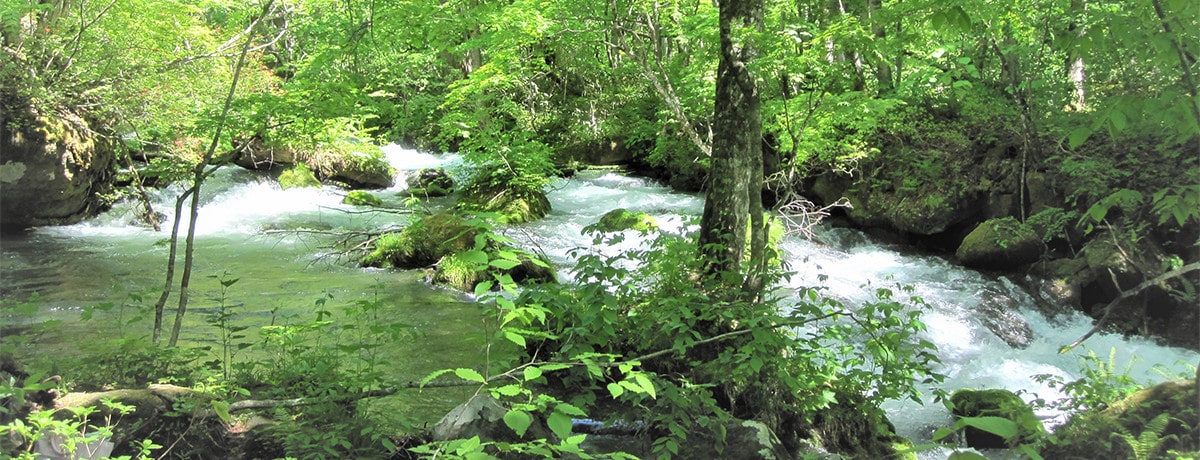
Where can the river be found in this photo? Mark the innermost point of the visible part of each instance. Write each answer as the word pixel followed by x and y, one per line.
pixel 243 232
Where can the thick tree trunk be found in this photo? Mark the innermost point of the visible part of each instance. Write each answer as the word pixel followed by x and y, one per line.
pixel 737 143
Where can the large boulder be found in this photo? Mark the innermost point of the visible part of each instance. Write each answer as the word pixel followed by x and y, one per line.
pixel 1000 244
pixel 456 271
pixel 422 243
pixel 512 205
pixel 429 182
pixel 358 165
pixel 53 169
pixel 997 403
pixel 257 155
pixel 1165 416
pixel 298 176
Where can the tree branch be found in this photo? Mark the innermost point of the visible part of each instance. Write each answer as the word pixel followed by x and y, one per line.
pixel 1108 309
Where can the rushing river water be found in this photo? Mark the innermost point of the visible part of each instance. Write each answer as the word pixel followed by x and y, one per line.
pixel 242 231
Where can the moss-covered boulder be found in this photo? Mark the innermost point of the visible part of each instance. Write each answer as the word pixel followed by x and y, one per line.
pixel 623 219
pixel 429 182
pixel 357 164
pixel 512 204
pixel 1000 244
pixel 1000 403
pixel 422 243
pixel 53 169
pixel 1162 421
pixel 464 270
pixel 262 156
pixel 298 176
pixel 361 198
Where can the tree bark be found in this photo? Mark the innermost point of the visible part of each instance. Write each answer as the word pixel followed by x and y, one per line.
pixel 737 144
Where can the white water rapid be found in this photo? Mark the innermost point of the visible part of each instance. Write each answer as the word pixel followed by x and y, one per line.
pixel 238 228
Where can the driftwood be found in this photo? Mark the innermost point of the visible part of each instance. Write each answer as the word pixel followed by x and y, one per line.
pixel 1108 309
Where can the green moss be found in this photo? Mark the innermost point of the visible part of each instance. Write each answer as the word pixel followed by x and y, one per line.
pixel 623 219
pixel 1000 243
pixel 422 243
pixel 512 206
pixel 298 176
pixel 361 198
pixel 453 271
pixel 1090 434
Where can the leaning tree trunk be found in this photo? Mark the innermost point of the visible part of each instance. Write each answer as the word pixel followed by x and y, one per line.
pixel 737 144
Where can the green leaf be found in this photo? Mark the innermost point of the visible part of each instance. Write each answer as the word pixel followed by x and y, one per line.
pixel 1078 136
pixel 504 264
pixel 646 385
pixel 483 287
pixel 509 390
pixel 515 338
pixel 474 256
pixel 998 426
pixel 570 410
pixel 560 424
pixel 222 410
pixel 1118 119
pixel 532 373
pixel 434 375
pixel 615 389
pixel 519 421
pixel 469 374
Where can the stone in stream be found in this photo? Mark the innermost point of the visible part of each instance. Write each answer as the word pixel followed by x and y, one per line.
pixel 998 313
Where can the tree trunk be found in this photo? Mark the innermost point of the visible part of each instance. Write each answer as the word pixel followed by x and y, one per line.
pixel 737 145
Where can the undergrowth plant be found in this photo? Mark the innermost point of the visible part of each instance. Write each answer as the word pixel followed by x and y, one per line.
pixel 639 339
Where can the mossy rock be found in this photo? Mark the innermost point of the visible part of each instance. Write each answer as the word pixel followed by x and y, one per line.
pixel 853 428
pixel 358 165
pixel 512 205
pixel 623 219
pixel 1000 244
pixel 298 176
pixel 1098 434
pixel 997 403
pixel 361 198
pixel 429 182
pixel 457 271
pixel 422 243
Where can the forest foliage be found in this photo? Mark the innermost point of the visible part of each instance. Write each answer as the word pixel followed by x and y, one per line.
pixel 846 88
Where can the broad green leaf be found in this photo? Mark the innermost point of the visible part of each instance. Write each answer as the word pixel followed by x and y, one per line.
pixel 646 385
pixel 504 264
pixel 560 424
pixel 1078 136
pixel 222 410
pixel 509 390
pixel 474 256
pixel 469 374
pixel 515 338
pixel 615 389
pixel 1118 120
pixel 998 426
pixel 483 287
pixel 532 373
pixel 570 410
pixel 519 421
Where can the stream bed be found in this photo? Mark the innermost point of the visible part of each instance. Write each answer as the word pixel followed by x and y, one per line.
pixel 248 230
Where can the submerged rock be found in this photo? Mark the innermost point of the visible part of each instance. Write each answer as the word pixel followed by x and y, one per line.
pixel 1000 316
pixel 623 219
pixel 361 198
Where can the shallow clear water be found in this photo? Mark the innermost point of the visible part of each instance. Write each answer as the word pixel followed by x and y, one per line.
pixel 239 233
